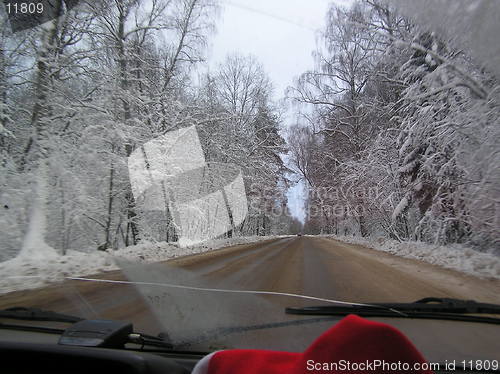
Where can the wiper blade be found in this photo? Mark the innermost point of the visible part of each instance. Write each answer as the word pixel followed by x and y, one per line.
pixel 35 314
pixel 427 308
pixel 149 340
pixel 428 304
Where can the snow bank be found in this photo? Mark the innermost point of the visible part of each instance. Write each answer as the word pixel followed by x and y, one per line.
pixel 456 257
pixel 24 272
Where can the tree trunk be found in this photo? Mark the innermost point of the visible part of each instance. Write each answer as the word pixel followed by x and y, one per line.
pixel 122 63
pixel 107 230
pixel 33 148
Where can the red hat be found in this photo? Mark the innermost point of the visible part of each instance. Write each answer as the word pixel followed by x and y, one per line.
pixel 353 345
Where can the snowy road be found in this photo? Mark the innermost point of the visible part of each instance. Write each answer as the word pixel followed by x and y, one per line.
pixel 315 266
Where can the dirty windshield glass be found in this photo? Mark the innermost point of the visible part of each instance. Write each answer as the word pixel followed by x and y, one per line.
pixel 196 167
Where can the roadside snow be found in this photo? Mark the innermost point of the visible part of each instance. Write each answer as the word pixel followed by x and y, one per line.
pixel 34 245
pixel 456 257
pixel 23 272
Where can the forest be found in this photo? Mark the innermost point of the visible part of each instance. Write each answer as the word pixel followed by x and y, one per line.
pixel 398 130
pixel 80 93
pixel 395 130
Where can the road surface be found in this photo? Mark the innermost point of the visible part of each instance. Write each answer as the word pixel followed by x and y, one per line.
pixel 314 266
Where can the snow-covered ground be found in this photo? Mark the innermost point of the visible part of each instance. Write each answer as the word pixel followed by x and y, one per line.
pixel 456 257
pixel 24 272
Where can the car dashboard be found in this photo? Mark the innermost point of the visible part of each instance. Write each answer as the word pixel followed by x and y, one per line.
pixel 20 354
pixel 27 352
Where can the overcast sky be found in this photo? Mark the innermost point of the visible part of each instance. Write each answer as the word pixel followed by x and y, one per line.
pixel 281 34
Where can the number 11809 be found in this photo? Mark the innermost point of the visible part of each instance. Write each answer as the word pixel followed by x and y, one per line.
pixel 24 8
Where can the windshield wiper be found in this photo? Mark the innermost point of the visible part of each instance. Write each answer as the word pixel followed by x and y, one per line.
pixel 35 314
pixel 427 308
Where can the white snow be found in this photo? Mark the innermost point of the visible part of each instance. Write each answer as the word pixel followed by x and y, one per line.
pixel 23 272
pixel 403 204
pixel 34 245
pixel 456 256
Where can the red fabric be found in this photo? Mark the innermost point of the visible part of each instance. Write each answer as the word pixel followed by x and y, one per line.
pixel 353 341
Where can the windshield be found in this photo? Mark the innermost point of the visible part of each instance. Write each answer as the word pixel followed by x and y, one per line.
pixel 197 166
